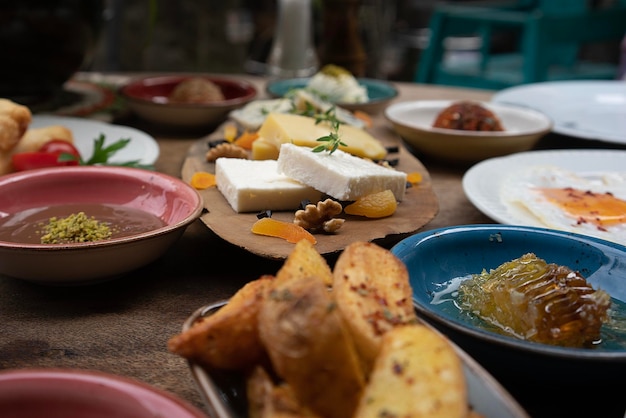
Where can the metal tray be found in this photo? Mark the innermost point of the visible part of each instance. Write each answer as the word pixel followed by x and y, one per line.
pixel 225 397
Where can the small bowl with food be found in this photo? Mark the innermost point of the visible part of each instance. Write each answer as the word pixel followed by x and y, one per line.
pixel 543 310
pixel 186 101
pixel 336 85
pixel 466 131
pixel 84 224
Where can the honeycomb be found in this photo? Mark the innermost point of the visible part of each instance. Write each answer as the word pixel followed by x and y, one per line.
pixel 538 301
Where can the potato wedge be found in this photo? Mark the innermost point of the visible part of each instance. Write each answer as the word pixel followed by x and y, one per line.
pixel 310 347
pixel 305 260
pixel 228 339
pixel 372 291
pixel 267 399
pixel 258 387
pixel 417 374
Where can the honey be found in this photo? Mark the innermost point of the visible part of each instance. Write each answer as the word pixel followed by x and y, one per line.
pixel 538 301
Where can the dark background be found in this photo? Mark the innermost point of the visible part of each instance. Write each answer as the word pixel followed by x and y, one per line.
pixel 235 36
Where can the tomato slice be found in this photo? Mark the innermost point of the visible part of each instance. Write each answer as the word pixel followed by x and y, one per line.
pixel 46 156
pixel 37 159
pixel 59 146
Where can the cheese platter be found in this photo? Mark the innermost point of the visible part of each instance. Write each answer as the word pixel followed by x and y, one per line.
pixel 418 206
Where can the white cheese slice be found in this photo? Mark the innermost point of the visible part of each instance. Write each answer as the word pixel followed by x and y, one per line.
pixel 340 174
pixel 250 186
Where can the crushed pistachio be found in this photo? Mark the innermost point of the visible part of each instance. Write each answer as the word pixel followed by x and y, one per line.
pixel 77 227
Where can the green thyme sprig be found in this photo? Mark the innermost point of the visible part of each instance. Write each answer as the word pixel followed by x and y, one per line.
pixel 309 110
pixel 332 141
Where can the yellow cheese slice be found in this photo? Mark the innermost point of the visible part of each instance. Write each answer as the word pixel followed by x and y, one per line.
pixel 262 149
pixel 280 128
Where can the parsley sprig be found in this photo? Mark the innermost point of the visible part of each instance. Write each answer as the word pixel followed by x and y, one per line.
pixel 101 154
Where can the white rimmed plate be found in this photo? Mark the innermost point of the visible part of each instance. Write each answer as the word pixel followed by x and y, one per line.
pixel 590 109
pixel 142 146
pixel 482 182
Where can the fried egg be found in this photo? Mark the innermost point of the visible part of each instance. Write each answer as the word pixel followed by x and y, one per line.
pixel 592 204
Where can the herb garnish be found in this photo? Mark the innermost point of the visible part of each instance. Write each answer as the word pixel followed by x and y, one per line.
pixel 101 154
pixel 332 140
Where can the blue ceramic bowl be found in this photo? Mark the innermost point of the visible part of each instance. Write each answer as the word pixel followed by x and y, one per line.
pixel 379 93
pixel 435 257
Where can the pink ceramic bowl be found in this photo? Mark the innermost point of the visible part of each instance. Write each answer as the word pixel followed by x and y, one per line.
pixel 148 98
pixel 52 393
pixel 175 203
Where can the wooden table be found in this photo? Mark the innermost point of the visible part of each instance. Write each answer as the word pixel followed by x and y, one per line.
pixel 122 326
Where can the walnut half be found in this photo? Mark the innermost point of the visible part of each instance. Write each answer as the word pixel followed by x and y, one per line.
pixel 320 217
pixel 226 150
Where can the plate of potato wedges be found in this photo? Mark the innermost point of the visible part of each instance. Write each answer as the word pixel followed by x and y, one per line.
pixel 315 341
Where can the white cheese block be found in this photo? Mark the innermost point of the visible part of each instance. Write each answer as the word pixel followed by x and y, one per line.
pixel 340 174
pixel 251 186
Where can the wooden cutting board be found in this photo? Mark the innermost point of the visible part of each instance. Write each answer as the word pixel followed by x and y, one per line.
pixel 419 207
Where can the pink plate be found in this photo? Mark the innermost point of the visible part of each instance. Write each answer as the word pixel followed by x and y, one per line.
pixel 56 393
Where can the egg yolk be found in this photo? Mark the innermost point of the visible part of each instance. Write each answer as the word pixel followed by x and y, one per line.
pixel 600 209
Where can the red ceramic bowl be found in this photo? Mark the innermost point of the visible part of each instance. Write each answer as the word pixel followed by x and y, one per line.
pixel 148 98
pixel 25 193
pixel 50 393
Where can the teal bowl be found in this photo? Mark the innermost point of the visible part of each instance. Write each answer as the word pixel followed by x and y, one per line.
pixel 380 93
pixel 528 370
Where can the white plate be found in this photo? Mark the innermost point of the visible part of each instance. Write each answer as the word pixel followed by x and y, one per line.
pixel 482 181
pixel 141 147
pixel 594 109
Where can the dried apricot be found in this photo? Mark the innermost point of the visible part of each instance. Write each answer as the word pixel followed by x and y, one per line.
pixel 280 229
pixel 246 139
pixel 414 177
pixel 366 118
pixel 202 180
pixel 230 132
pixel 375 205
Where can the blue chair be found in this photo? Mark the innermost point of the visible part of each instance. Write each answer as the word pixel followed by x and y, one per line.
pixel 550 34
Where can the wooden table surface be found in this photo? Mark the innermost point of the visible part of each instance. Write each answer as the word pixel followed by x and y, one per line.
pixel 122 326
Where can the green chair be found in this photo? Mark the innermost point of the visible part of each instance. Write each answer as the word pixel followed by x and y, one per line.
pixel 549 35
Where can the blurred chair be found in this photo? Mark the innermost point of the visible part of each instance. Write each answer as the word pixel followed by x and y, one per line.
pixel 549 35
